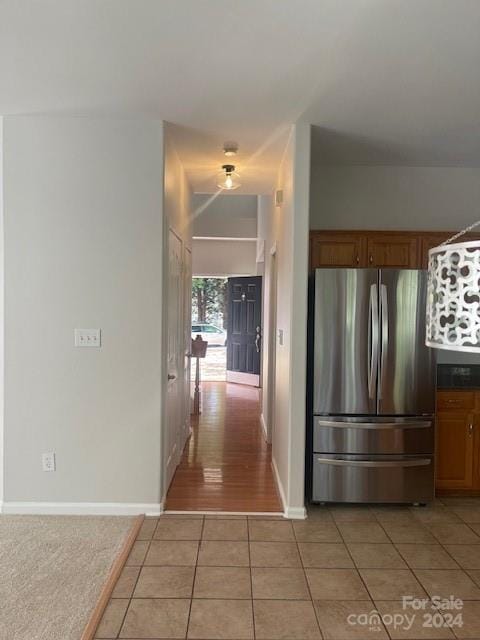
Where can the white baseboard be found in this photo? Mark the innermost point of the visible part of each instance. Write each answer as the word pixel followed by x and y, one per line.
pixel 173 512
pixel 83 508
pixel 279 484
pixel 293 513
pixel 264 427
pixel 296 513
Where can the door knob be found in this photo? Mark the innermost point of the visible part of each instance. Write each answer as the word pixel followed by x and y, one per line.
pixel 171 376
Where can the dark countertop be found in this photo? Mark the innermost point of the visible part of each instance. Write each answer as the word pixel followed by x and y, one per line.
pixel 458 377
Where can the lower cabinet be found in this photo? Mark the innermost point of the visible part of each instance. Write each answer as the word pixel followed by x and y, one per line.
pixel 457 442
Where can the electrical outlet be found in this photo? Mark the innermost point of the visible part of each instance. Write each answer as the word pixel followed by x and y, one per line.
pixel 48 461
pixel 87 337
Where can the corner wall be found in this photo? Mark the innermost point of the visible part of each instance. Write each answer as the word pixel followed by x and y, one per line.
pixel 176 318
pixel 287 234
pixel 2 325
pixel 83 249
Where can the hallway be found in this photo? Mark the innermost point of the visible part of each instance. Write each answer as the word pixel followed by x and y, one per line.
pixel 226 464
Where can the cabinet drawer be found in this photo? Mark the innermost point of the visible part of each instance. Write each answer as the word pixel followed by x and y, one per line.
pixel 384 436
pixel 455 400
pixel 372 479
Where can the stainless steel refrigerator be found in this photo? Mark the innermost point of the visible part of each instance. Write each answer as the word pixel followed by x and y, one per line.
pixel 373 388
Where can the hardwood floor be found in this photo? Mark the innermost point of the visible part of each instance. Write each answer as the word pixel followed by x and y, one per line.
pixel 226 464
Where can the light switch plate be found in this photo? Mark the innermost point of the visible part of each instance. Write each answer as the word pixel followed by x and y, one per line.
pixel 87 337
pixel 48 461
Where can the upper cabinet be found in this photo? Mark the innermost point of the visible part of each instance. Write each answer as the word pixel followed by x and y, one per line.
pixel 429 241
pixel 337 250
pixel 387 250
pixel 394 249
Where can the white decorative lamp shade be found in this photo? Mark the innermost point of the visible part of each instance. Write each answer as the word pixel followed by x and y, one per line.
pixel 453 297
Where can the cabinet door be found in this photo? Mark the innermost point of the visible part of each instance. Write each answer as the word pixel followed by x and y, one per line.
pixel 428 241
pixel 337 250
pixel 396 251
pixel 454 450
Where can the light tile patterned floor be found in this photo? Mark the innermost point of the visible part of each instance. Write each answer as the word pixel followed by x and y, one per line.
pixel 239 578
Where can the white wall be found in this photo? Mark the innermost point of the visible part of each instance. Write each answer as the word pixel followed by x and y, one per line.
pixel 83 248
pixel 2 318
pixel 364 197
pixel 178 194
pixel 288 234
pixel 389 197
pixel 177 218
pixel 224 258
pixel 225 216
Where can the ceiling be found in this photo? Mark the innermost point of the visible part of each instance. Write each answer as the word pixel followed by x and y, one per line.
pixel 383 81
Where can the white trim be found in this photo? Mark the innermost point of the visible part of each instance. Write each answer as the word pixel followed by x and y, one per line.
pixel 84 508
pixel 296 513
pixel 279 485
pixel 264 426
pixel 292 513
pixel 174 512
pixel 250 379
pixel 229 239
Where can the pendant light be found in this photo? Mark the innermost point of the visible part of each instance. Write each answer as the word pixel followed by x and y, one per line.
pixel 228 178
pixel 453 295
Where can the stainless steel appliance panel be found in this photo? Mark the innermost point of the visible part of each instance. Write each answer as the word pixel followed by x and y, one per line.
pixel 357 435
pixel 406 380
pixel 374 479
pixel 346 344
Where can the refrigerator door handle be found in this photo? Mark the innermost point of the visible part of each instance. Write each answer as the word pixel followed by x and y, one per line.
pixel 372 340
pixel 375 426
pixel 384 347
pixel 422 462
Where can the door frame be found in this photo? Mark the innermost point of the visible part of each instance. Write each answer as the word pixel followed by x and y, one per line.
pixel 172 458
pixel 271 343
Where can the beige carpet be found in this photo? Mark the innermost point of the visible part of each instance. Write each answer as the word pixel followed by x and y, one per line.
pixel 52 569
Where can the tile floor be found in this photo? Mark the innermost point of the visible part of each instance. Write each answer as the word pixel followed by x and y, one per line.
pixel 236 578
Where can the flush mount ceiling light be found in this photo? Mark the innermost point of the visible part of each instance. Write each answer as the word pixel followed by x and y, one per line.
pixel 230 148
pixel 453 295
pixel 228 178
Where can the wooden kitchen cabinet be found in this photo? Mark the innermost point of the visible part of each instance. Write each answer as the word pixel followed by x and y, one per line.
pixel 337 250
pixel 390 249
pixel 427 242
pixel 457 442
pixel 395 251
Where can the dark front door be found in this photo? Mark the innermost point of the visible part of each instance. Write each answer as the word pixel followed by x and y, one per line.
pixel 244 329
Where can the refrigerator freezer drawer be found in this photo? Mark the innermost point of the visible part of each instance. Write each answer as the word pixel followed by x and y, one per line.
pixel 373 479
pixel 382 436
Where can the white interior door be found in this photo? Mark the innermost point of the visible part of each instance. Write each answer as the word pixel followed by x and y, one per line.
pixel 175 355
